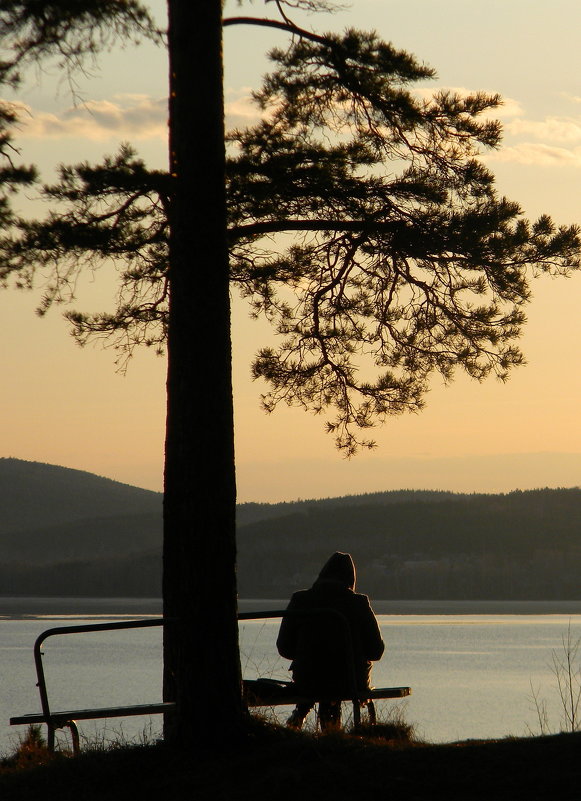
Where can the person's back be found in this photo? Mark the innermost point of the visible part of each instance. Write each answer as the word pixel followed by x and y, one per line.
pixel 323 653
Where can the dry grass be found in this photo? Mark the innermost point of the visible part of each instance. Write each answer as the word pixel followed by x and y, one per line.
pixel 276 764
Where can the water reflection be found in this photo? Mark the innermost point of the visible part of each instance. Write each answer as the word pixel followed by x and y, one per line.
pixel 472 675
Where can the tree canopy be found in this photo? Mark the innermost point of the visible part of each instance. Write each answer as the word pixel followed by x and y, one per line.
pixel 71 32
pixel 359 220
pixel 363 224
pixel 13 177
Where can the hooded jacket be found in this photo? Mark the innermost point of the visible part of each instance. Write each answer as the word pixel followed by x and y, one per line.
pixel 316 633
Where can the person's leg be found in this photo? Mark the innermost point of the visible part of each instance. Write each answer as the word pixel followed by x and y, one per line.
pixel 298 715
pixel 329 715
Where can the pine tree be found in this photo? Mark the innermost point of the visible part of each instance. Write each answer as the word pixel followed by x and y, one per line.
pixel 356 216
pixel 13 177
pixel 201 657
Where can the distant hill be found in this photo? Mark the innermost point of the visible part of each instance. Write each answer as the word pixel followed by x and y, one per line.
pixel 54 515
pixel 253 512
pixel 65 531
pixel 51 513
pixel 35 495
pixel 86 538
pixel 519 545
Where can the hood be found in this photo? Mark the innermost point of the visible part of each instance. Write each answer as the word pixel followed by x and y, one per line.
pixel 338 569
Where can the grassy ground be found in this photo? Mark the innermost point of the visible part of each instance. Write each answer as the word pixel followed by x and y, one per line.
pixel 280 765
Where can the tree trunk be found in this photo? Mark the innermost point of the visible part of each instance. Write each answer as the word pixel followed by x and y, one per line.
pixel 201 656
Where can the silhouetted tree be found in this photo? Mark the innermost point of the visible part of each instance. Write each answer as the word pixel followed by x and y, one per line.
pixel 201 658
pixel 12 176
pixel 201 661
pixel 359 220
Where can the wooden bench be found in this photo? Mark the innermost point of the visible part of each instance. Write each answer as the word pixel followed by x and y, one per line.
pixel 269 693
pixel 263 698
pixel 69 718
pixel 257 693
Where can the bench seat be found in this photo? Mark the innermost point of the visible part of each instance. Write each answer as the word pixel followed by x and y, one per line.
pixel 61 718
pixel 264 692
pixel 68 718
pixel 258 692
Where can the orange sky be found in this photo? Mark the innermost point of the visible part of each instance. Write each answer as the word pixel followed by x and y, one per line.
pixel 67 406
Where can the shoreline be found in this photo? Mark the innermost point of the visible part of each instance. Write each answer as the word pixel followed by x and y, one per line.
pixel 19 608
pixel 430 607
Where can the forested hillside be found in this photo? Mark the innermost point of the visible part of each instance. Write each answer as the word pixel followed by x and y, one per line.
pixel 66 532
pixel 69 532
pixel 34 495
pixel 518 545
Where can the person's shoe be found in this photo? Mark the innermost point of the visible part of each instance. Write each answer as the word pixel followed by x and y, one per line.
pixel 296 720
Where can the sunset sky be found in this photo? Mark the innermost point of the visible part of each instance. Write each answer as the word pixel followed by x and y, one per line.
pixel 68 406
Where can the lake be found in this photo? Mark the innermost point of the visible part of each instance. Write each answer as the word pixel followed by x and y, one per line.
pixel 473 667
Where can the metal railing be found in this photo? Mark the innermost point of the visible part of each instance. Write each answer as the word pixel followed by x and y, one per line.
pixel 138 624
pixel 41 680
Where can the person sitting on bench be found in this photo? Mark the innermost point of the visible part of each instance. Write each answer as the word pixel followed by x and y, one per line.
pixel 322 667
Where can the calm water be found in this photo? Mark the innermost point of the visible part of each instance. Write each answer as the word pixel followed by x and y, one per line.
pixel 471 674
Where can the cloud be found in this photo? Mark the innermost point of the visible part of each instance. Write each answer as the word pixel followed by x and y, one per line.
pixel 571 98
pixel 537 154
pixel 552 129
pixel 507 109
pixel 550 142
pixel 139 117
pixel 125 116
pixel 241 111
pixel 558 139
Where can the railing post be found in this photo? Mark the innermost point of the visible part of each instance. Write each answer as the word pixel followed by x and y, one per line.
pixel 41 680
pixel 41 684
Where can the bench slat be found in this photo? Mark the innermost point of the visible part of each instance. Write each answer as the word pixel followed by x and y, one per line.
pixel 261 697
pixel 155 709
pixel 389 692
pixel 93 714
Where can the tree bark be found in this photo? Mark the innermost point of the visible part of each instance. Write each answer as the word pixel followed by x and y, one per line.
pixel 201 655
